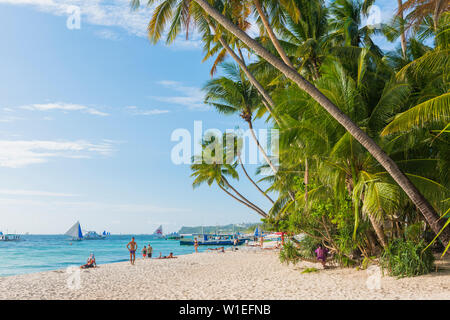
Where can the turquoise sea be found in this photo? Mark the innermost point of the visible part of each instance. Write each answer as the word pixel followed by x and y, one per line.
pixel 37 253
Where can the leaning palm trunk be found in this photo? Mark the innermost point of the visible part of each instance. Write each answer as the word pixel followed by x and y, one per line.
pixel 253 182
pixel 247 72
pixel 239 200
pixel 306 179
pixel 436 14
pixel 271 34
pixel 402 28
pixel 391 167
pixel 378 227
pixel 261 149
pixel 244 199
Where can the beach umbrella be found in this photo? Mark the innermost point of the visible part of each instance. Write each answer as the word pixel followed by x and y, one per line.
pixel 256 234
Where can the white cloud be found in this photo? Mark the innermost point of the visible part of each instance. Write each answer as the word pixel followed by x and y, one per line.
pixel 191 97
pixel 107 35
pixel 11 192
pixel 145 112
pixel 112 13
pixel 9 118
pixel 21 153
pixel 63 107
pixel 96 12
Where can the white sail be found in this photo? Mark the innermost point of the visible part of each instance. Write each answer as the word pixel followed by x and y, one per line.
pixel 158 231
pixel 74 231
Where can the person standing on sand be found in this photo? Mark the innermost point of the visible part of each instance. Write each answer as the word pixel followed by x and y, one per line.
pixel 132 247
pixel 149 251
pixel 261 241
pixel 144 252
pixel 196 245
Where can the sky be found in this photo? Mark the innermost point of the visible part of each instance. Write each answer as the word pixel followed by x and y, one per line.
pixel 86 116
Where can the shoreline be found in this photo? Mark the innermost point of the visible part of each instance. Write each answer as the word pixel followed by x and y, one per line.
pixel 244 274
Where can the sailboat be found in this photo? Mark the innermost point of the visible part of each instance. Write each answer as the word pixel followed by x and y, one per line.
pixel 77 235
pixel 75 232
pixel 158 234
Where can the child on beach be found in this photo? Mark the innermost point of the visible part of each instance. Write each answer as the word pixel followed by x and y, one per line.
pixel 144 252
pixel 322 253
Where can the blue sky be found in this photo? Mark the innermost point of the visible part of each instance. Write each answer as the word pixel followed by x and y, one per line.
pixel 86 117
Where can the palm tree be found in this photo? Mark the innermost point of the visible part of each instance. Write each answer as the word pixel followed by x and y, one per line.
pixel 234 153
pixel 232 93
pixel 390 166
pixel 428 71
pixel 423 8
pixel 211 168
pixel 342 166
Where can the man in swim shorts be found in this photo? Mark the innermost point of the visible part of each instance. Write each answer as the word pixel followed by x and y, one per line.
pixel 149 251
pixel 132 247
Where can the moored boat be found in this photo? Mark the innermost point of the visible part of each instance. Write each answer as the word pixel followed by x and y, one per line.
pixel 9 237
pixel 212 239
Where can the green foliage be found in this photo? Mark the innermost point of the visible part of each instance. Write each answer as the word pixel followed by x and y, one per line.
pixel 310 270
pixel 407 258
pixel 307 247
pixel 414 231
pixel 289 253
pixel 327 184
pixel 366 261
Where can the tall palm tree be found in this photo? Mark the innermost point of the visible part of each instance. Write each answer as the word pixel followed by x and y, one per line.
pixel 232 94
pixel 390 166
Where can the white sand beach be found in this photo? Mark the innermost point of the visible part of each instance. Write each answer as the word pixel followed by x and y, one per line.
pixel 229 275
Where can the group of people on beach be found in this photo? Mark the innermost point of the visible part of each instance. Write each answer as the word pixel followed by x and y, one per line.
pixel 132 246
pixel 147 251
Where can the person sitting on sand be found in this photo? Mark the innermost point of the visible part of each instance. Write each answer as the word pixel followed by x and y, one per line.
pixel 322 253
pixel 144 252
pixel 132 247
pixel 170 256
pixel 90 262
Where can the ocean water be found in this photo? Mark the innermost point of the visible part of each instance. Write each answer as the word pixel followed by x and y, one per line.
pixel 37 253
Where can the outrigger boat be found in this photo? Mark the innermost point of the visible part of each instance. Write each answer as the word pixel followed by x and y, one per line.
pixel 9 237
pixel 212 239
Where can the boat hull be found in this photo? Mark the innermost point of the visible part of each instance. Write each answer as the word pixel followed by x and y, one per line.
pixel 10 237
pixel 190 242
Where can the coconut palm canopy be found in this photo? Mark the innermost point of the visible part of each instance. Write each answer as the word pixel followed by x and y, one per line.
pixel 364 133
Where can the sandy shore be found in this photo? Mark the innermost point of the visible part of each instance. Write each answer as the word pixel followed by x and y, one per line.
pixel 230 275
